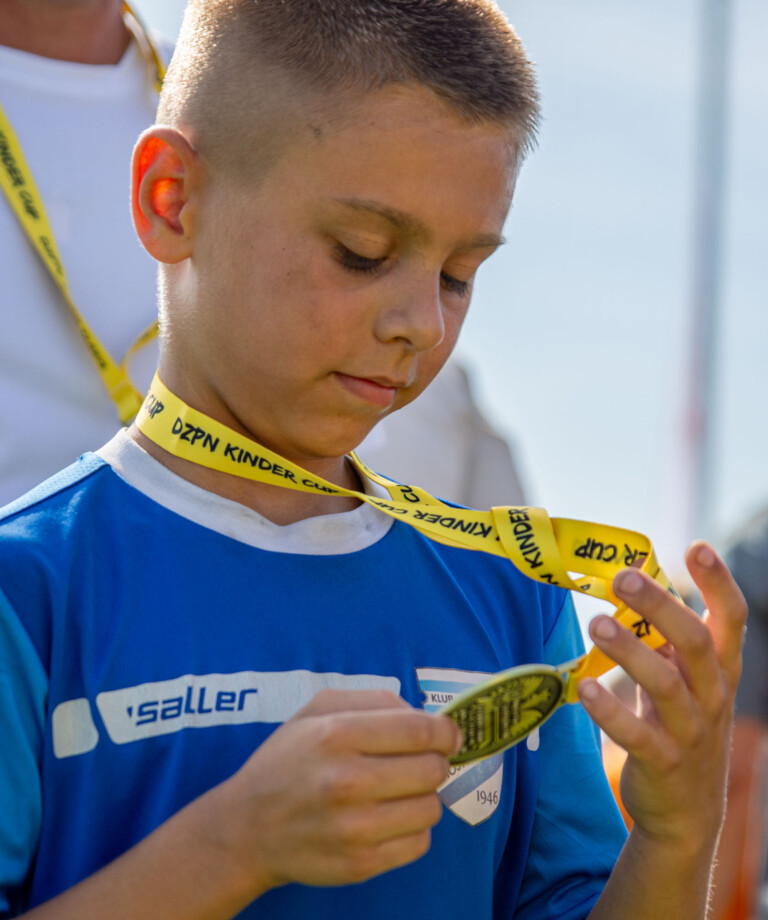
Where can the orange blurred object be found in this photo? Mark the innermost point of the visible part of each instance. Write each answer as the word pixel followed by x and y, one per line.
pixel 740 862
pixel 613 762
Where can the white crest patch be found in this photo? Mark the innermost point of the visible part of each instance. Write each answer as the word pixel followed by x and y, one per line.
pixel 472 791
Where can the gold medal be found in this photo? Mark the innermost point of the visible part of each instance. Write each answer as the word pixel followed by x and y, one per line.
pixel 501 711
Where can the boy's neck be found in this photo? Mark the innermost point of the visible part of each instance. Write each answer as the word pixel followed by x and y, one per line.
pixel 275 503
pixel 81 31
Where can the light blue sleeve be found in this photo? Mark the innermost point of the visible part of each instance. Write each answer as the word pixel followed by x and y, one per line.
pixel 23 699
pixel 578 830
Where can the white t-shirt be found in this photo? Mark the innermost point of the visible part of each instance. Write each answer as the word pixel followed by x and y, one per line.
pixel 77 125
pixel 442 443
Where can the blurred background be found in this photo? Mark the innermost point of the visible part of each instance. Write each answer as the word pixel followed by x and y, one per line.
pixel 579 340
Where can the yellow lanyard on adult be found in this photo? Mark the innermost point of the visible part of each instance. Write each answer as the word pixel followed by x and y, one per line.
pixel 550 550
pixel 21 191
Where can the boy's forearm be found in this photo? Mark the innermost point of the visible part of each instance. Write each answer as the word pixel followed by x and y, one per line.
pixel 184 869
pixel 652 879
pixel 343 791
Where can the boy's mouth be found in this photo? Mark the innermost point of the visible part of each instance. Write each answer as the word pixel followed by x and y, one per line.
pixel 379 391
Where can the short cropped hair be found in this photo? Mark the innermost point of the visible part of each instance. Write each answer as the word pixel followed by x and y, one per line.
pixel 233 53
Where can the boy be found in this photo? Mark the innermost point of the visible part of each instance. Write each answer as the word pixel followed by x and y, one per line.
pixel 324 182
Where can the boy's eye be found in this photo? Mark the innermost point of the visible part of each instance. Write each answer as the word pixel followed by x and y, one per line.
pixel 355 262
pixel 454 285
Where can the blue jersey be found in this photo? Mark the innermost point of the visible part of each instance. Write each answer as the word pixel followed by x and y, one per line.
pixel 154 634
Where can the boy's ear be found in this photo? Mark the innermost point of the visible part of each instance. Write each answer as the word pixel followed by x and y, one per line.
pixel 164 172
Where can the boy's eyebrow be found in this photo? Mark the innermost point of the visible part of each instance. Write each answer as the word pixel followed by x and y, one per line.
pixel 409 224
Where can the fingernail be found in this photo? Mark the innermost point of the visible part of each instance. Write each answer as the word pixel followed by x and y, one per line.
pixel 629 582
pixel 705 557
pixel 588 689
pixel 603 628
pixel 459 743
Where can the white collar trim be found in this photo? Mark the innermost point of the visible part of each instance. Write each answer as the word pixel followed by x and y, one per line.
pixel 325 535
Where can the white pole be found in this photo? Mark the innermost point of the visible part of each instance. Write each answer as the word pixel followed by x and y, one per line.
pixel 714 61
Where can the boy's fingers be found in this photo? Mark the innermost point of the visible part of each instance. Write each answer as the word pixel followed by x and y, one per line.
pixel 393 853
pixel 658 676
pixel 648 598
pixel 371 824
pixel 357 779
pixel 727 608
pixel 388 777
pixel 678 624
pixel 613 717
pixel 391 731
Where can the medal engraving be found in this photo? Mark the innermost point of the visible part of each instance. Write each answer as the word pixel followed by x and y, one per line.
pixel 500 712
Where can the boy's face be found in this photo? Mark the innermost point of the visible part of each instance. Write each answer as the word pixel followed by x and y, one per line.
pixel 332 292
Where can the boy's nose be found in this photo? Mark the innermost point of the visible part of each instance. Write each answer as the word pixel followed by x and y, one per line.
pixel 414 316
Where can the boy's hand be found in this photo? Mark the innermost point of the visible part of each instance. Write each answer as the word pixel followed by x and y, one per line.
pixel 673 783
pixel 343 791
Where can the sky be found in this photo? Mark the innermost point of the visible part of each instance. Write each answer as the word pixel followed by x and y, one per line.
pixel 577 340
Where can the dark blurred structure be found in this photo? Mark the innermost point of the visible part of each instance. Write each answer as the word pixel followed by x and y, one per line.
pixel 741 891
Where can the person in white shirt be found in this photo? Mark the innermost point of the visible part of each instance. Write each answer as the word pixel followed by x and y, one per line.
pixel 76 88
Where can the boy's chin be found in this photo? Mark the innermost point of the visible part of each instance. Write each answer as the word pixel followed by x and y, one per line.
pixel 341 445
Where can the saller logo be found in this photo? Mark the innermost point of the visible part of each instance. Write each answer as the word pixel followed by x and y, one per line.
pixel 197 701
pixel 204 700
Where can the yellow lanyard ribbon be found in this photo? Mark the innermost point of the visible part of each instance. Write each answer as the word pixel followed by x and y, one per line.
pixel 24 198
pixel 145 43
pixel 549 550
